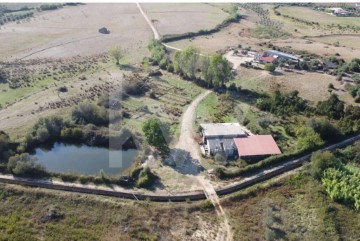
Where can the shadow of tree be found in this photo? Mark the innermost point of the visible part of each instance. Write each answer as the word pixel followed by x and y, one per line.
pixel 183 163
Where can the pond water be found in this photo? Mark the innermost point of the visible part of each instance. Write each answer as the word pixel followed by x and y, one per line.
pixel 83 159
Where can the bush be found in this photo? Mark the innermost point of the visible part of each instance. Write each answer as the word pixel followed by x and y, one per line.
pixel 163 63
pixel 146 178
pixel 63 89
pixel 170 67
pixel 321 161
pixel 25 165
pixel 4 146
pixel 86 113
pixel 45 129
pixel 157 133
pixel 270 67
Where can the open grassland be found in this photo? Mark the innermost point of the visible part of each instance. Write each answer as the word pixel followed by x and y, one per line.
pixel 342 40
pixel 319 48
pixel 72 31
pixel 296 208
pixel 322 18
pixel 37 214
pixel 176 18
pixel 312 86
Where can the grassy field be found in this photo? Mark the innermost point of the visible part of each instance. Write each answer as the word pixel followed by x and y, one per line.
pixel 296 208
pixel 37 214
pixel 176 18
pixel 72 31
pixel 323 18
pixel 311 86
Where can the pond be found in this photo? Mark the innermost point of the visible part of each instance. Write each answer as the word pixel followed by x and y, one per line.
pixel 83 159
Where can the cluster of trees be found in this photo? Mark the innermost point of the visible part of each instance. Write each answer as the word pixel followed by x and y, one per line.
pixel 352 66
pixel 44 130
pixel 283 103
pixel 208 70
pixel 47 7
pixel 354 89
pixel 90 113
pixel 4 146
pixel 25 165
pixel 341 181
pixel 332 107
pixel 15 17
pixel 157 133
pixel 214 69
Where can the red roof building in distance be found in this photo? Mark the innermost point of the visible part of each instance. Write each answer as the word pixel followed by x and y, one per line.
pixel 268 59
pixel 256 145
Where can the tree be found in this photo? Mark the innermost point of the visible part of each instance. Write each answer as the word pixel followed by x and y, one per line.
pixel 146 178
pixel 304 65
pixel 4 143
pixel 116 53
pixel 321 161
pixel 205 64
pixel 219 69
pixel 186 61
pixel 157 134
pixel 308 139
pixel 25 165
pixel 270 67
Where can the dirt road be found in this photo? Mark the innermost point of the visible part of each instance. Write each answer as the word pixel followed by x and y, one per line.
pixel 188 143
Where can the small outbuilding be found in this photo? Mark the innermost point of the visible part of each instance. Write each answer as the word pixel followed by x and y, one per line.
pixel 219 137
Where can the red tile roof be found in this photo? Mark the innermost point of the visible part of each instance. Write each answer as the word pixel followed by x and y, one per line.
pixel 256 145
pixel 268 59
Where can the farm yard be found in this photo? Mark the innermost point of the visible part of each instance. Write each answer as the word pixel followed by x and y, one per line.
pixel 184 114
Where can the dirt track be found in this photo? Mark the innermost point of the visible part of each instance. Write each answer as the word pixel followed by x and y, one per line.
pixel 187 142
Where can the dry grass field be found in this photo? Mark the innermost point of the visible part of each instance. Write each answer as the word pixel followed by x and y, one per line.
pixel 312 86
pixel 24 215
pixel 350 41
pixel 73 31
pixel 176 18
pixel 319 48
pixel 316 16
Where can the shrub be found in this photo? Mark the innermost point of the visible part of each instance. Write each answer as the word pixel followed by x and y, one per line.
pixel 86 113
pixel 146 178
pixel 63 89
pixel 25 165
pixel 321 161
pixel 270 67
pixel 163 63
pixel 4 146
pixel 170 67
